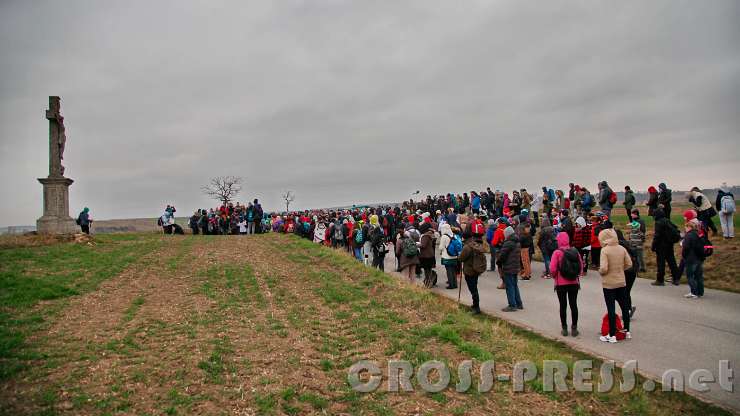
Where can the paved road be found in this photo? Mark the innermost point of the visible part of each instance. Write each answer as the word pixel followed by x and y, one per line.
pixel 669 331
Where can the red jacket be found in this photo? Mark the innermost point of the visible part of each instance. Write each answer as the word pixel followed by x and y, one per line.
pixel 498 236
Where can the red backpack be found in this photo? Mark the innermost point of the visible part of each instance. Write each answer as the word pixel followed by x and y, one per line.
pixel 613 198
pixel 605 327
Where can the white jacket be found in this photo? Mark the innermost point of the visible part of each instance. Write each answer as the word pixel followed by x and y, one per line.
pixel 444 241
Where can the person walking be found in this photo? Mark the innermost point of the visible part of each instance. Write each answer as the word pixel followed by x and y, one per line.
pixel 614 261
pixel 509 259
pixel 725 204
pixel 473 259
pixel 666 235
pixel 566 266
pixel 84 220
pixel 692 253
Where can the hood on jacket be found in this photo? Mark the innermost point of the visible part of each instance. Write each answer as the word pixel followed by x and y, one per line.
pixel 662 187
pixel 581 222
pixel 508 232
pixel 724 188
pixel 445 229
pixel 563 241
pixel 608 237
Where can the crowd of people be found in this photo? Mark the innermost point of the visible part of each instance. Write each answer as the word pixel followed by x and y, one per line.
pixel 572 230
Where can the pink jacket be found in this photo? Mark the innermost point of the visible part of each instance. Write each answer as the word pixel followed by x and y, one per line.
pixel 557 257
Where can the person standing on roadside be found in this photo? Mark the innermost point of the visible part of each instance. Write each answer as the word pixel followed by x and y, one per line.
pixel 665 197
pixel 614 261
pixel 692 252
pixel 566 266
pixel 473 259
pixel 666 235
pixel 509 259
pixel 449 254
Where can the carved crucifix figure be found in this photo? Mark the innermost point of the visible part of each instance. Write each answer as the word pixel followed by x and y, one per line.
pixel 57 137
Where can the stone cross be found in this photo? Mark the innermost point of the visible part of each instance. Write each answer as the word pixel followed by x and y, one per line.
pixel 57 138
pixel 56 219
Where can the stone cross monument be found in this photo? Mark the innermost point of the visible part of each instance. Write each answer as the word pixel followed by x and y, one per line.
pixel 56 219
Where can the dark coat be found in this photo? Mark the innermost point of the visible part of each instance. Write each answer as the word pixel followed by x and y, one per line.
pixel 692 249
pixel 466 255
pixel 661 239
pixel 509 256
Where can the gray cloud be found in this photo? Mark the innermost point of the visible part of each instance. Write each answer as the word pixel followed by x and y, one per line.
pixel 364 101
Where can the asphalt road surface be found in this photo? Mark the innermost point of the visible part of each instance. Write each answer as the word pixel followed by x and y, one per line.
pixel 668 331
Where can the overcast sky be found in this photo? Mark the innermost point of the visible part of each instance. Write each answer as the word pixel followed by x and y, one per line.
pixel 360 101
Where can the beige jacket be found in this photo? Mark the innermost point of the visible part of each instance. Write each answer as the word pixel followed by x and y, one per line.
pixel 614 260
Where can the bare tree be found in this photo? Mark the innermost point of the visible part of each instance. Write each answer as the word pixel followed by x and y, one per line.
pixel 288 197
pixel 223 188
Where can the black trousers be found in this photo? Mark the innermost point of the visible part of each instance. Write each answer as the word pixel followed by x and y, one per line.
pixel 630 277
pixel 568 294
pixel 379 261
pixel 665 255
pixel 85 228
pixel 472 282
pixel 618 295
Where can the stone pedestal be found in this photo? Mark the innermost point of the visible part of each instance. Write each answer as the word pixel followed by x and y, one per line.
pixel 56 219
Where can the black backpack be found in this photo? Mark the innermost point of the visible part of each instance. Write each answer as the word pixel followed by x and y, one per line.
pixel 570 265
pixel 674 236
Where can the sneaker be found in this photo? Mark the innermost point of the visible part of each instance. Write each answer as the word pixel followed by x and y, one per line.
pixel 657 283
pixel 564 331
pixel 690 296
pixel 508 309
pixel 574 331
pixel 607 338
pixel 627 335
pixel 520 307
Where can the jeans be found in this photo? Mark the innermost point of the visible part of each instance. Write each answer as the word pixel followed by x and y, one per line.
pixel 546 259
pixel 665 255
pixel 695 275
pixel 618 295
pixel 358 254
pixel 568 294
pixel 451 270
pixel 728 225
pixel 640 253
pixel 512 291
pixel 250 227
pixel 472 282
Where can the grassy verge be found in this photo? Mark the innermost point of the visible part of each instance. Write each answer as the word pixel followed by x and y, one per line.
pixel 256 325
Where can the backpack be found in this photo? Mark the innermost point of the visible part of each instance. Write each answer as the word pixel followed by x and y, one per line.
pixel 338 235
pixel 358 237
pixel 409 248
pixel 605 327
pixel 708 248
pixel 570 266
pixel 306 227
pixel 613 198
pixel 454 248
pixel 674 236
pixel 587 201
pixel 727 204
pixel 479 262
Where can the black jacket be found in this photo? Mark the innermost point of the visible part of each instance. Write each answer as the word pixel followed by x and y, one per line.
pixel 661 239
pixel 509 256
pixel 692 248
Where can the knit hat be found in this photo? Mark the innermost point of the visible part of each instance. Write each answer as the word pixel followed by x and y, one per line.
pixel 689 215
pixel 635 224
pixel 581 222
pixel 508 232
pixel 374 219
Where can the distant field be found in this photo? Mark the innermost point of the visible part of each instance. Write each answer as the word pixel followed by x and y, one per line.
pixel 149 324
